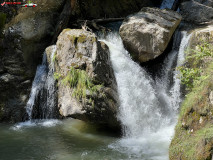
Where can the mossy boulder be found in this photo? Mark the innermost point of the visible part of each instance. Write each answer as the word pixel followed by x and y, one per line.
pixel 193 138
pixel 87 88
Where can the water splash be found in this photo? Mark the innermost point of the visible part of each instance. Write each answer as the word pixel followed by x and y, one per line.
pixel 36 123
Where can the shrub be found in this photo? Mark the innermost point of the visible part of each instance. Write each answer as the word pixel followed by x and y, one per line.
pixel 192 74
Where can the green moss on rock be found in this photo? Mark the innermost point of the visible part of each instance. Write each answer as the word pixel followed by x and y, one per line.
pixel 82 38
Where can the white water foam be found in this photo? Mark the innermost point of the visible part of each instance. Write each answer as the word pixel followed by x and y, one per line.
pixel 36 123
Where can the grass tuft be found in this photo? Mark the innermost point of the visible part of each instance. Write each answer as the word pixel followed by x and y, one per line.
pixel 81 83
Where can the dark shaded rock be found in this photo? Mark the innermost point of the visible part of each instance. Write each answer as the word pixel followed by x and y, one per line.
pixel 197 11
pixel 89 9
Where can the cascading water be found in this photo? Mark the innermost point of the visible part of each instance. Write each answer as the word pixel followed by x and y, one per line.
pixel 147 107
pixel 137 96
pixel 48 109
pixel 43 89
pixel 38 83
pixel 176 89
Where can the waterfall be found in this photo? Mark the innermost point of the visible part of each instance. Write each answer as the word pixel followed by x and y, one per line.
pixel 137 96
pixel 42 96
pixel 176 89
pixel 37 85
pixel 48 109
pixel 148 106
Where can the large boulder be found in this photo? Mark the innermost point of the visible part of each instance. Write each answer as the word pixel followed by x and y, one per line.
pixel 81 57
pixel 146 34
pixel 197 11
pixel 89 9
pixel 25 37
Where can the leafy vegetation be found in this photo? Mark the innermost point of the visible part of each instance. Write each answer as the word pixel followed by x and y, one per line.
pixel 80 81
pixel 192 74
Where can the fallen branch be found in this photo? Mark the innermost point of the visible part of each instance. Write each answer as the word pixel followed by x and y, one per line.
pixel 96 23
pixel 102 21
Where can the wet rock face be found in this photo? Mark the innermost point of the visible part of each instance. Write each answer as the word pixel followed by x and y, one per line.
pixel 146 34
pixel 108 8
pixel 79 51
pixel 197 11
pixel 26 36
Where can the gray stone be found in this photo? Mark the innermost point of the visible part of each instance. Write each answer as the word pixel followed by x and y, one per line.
pixel 146 34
